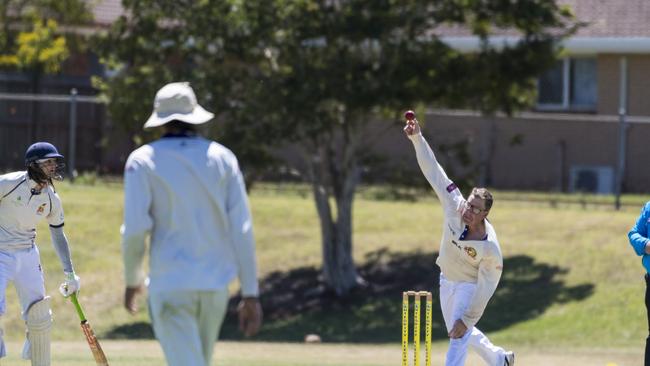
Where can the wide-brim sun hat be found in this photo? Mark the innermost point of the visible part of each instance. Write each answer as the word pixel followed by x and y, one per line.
pixel 177 101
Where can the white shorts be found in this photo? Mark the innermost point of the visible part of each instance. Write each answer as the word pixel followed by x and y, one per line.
pixel 23 268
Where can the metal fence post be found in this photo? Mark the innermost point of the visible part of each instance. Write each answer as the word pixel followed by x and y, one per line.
pixel 622 131
pixel 73 134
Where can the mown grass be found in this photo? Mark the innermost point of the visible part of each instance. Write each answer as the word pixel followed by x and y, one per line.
pixel 148 353
pixel 571 278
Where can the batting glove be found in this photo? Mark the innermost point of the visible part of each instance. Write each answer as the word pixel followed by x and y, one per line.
pixel 71 285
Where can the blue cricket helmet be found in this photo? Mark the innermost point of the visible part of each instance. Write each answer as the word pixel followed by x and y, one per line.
pixel 41 150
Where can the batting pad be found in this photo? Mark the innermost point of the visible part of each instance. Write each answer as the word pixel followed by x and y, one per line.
pixel 39 324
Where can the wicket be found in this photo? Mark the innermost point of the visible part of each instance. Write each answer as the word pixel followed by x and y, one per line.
pixel 416 326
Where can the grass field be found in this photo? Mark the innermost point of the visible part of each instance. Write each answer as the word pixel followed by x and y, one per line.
pixel 227 353
pixel 572 290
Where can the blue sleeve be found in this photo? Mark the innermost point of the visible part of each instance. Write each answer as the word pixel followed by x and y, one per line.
pixel 639 234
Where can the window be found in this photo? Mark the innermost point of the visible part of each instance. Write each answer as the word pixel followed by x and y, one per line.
pixel 570 85
pixel 592 179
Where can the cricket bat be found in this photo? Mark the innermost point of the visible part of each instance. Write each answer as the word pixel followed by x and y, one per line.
pixel 95 348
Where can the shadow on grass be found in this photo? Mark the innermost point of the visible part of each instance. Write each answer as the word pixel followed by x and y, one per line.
pixel 137 330
pixel 297 302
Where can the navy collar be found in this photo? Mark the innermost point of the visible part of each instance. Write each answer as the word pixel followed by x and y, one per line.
pixel 180 134
pixel 464 234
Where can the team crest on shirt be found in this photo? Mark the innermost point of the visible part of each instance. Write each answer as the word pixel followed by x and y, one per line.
pixel 41 209
pixel 470 251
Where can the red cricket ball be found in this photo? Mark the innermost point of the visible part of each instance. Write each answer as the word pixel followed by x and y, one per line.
pixel 409 115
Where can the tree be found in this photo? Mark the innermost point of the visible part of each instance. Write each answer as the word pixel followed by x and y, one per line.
pixel 206 43
pixel 31 37
pixel 316 71
pixel 32 40
pixel 333 64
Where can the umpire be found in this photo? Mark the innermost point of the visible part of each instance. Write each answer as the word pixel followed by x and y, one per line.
pixel 639 240
pixel 188 195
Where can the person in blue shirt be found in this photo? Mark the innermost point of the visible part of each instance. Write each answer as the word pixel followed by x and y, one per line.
pixel 639 240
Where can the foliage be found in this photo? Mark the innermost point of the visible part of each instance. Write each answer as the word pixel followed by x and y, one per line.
pixel 315 72
pixel 202 42
pixel 279 69
pixel 333 57
pixel 41 48
pixel 331 65
pixel 32 36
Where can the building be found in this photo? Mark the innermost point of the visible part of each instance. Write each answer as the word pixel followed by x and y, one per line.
pixel 572 139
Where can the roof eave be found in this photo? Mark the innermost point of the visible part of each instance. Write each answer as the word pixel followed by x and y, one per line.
pixel 572 45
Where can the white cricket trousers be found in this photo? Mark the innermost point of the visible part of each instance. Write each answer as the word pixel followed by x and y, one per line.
pixel 187 323
pixel 454 300
pixel 23 268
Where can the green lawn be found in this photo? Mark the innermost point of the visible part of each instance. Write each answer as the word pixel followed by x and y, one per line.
pixel 148 353
pixel 570 278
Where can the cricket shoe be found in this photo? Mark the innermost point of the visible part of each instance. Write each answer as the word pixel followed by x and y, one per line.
pixel 509 359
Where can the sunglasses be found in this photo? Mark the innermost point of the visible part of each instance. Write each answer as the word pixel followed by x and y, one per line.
pixel 475 210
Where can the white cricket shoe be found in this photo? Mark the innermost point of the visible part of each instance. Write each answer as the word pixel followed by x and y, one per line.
pixel 509 359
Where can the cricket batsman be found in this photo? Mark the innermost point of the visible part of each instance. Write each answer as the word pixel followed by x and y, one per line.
pixel 26 197
pixel 470 258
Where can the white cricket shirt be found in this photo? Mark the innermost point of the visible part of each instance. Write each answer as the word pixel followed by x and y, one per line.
pixel 189 195
pixel 475 261
pixel 22 207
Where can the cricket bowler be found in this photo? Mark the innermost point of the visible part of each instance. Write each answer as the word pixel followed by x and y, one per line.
pixel 470 259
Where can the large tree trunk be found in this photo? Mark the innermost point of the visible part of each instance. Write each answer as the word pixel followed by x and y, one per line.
pixel 335 174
